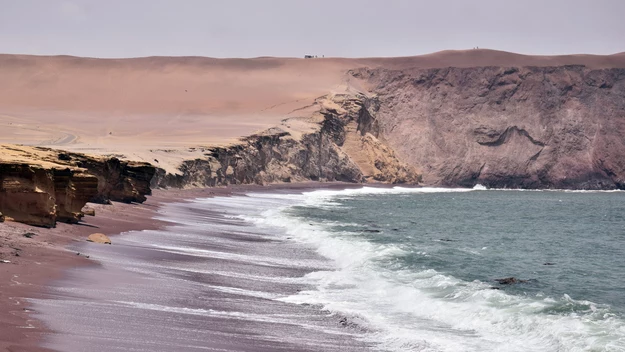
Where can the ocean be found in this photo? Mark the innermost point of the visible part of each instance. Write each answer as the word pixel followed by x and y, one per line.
pixel 380 269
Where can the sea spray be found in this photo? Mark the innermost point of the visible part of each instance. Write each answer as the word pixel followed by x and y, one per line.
pixel 406 295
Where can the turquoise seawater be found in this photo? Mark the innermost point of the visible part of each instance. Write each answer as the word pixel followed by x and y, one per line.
pixel 417 268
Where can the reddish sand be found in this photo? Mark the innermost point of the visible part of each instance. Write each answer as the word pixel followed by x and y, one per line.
pixel 149 108
pixel 158 107
pixel 42 258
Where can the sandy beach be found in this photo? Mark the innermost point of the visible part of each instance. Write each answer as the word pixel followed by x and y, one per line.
pixel 42 259
pixel 168 110
pixel 60 258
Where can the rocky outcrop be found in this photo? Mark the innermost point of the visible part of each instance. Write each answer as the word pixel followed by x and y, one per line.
pixel 40 196
pixel 40 186
pixel 99 238
pixel 505 127
pixel 72 190
pixel 337 143
pixel 510 281
pixel 118 180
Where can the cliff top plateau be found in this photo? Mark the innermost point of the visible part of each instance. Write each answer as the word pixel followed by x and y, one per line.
pixel 453 118
pixel 153 109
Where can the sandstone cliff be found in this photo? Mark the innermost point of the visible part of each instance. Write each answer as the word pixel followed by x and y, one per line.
pixel 336 142
pixel 527 127
pixel 40 186
pixel 334 139
pixel 455 118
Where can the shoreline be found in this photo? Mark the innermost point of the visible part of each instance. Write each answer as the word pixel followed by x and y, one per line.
pixel 46 258
pixel 244 280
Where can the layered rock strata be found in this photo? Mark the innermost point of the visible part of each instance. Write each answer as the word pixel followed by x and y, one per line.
pixel 338 141
pixel 40 186
pixel 505 127
pixel 335 139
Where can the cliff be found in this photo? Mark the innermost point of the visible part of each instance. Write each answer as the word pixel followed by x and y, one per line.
pixel 514 127
pixel 40 186
pixel 334 139
pixel 336 142
pixel 454 118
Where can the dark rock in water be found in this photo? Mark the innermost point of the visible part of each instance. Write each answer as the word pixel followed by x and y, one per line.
pixel 495 288
pixel 446 240
pixel 29 235
pixel 395 229
pixel 507 281
pixel 1 217
pixel 549 264
pixel 510 281
pixel 372 231
pixel 343 321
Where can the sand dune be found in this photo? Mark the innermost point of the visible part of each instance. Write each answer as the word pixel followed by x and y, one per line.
pixel 135 106
pixel 485 57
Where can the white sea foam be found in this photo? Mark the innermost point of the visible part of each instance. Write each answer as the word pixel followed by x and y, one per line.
pixel 426 310
pixel 259 260
pixel 239 275
pixel 285 319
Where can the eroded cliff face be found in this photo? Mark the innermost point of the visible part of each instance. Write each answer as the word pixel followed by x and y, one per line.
pixel 514 127
pixel 118 180
pixel 527 127
pixel 40 186
pixel 336 139
pixel 338 142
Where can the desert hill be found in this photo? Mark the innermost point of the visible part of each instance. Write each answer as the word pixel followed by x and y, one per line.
pixel 168 110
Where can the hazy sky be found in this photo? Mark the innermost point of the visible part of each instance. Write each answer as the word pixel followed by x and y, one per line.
pixel 350 28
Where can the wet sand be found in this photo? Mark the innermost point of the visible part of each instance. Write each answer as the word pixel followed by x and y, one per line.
pixel 49 273
pixel 42 259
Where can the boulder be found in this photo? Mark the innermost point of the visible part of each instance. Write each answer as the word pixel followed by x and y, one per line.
pixel 510 281
pixel 1 217
pixel 88 211
pixel 98 238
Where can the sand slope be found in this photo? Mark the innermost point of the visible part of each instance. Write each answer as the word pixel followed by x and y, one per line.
pixel 154 108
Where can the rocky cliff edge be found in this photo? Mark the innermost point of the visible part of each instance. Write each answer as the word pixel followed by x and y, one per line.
pixel 40 186
pixel 557 127
pixel 334 139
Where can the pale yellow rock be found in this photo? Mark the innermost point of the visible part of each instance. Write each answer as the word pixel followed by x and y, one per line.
pixel 98 238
